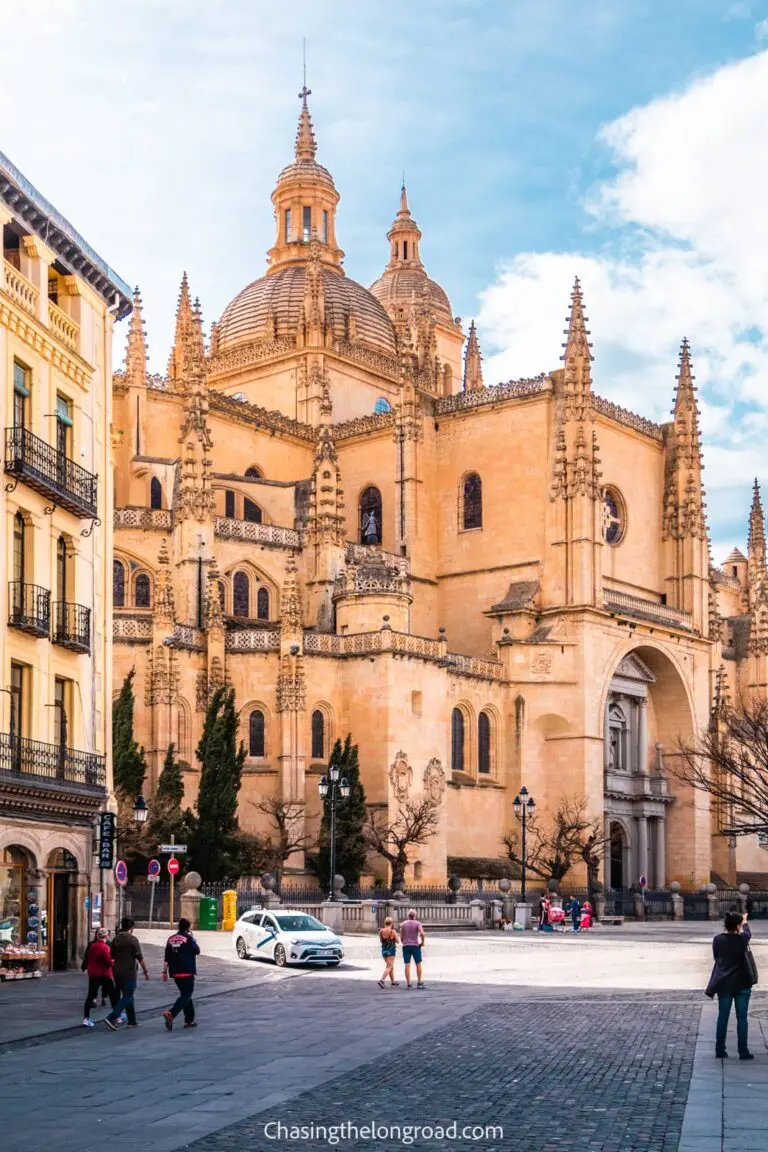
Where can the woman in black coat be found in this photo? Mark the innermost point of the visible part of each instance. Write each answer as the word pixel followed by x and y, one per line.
pixel 731 981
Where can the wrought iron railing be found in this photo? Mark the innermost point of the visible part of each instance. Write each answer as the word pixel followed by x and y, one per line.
pixel 50 472
pixel 29 608
pixel 72 626
pixel 23 758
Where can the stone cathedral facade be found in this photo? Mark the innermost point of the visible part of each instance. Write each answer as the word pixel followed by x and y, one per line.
pixel 327 508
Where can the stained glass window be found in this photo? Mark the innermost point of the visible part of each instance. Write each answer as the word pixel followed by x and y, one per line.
pixel 256 734
pixel 262 604
pixel 251 511
pixel 155 493
pixel 241 596
pixel 318 735
pixel 483 743
pixel 613 517
pixel 457 740
pixel 473 501
pixel 118 584
pixel 142 596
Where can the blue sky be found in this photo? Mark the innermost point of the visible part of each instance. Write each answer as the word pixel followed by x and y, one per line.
pixel 541 138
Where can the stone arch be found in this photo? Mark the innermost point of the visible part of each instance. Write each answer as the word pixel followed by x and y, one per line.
pixel 246 712
pixel 494 739
pixel 183 730
pixel 257 579
pixel 325 710
pixel 468 725
pixel 665 823
pixel 26 840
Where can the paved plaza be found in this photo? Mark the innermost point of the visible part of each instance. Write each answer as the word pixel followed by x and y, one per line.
pixel 600 1042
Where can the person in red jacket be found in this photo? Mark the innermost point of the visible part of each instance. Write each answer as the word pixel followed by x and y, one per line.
pixel 98 963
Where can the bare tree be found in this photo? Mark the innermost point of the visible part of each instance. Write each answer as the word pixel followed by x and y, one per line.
pixel 416 823
pixel 729 761
pixel 286 835
pixel 553 850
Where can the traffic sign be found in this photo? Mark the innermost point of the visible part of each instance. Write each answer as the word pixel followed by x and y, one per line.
pixel 173 866
pixel 173 849
pixel 121 872
pixel 154 868
pixel 153 879
pixel 643 881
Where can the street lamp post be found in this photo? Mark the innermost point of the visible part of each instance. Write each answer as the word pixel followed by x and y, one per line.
pixel 334 790
pixel 140 813
pixel 524 806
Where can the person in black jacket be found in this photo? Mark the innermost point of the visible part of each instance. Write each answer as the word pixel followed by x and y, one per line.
pixel 731 981
pixel 181 952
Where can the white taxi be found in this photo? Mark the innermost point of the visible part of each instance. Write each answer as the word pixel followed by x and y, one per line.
pixel 286 936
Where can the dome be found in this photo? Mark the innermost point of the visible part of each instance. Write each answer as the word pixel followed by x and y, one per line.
pixel 402 285
pixel 280 294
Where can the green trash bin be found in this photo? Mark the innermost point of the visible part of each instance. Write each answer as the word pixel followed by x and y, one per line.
pixel 209 913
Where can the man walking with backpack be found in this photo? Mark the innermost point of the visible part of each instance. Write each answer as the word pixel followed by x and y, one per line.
pixel 181 952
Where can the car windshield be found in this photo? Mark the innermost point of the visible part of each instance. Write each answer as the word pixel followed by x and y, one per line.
pixel 299 923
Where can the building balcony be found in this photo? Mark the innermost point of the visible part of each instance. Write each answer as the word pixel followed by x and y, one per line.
pixel 72 626
pixel 29 608
pixel 63 327
pixel 31 760
pixel 20 289
pixel 50 472
pixel 637 608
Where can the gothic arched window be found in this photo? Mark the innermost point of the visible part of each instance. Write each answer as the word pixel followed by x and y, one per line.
pixel 370 516
pixel 142 591
pixel 251 511
pixel 472 516
pixel 614 519
pixel 241 595
pixel 118 584
pixel 262 604
pixel 457 740
pixel 484 742
pixel 382 405
pixel 256 734
pixel 318 735
pixel 254 473
pixel 155 493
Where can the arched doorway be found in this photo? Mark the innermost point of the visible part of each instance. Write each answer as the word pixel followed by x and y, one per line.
pixel 649 832
pixel 15 866
pixel 617 857
pixel 62 908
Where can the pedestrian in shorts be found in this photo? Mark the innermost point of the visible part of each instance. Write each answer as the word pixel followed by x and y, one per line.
pixel 388 938
pixel 412 937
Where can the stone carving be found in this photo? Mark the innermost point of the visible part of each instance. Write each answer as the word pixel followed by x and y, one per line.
pixel 629 419
pixel 401 776
pixel 434 780
pixel 249 354
pixel 132 629
pixel 541 662
pixel 511 390
pixel 362 425
pixel 269 535
pixel 146 519
pixel 261 417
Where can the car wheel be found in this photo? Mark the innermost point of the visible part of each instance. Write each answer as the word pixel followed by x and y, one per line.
pixel 280 957
pixel 241 949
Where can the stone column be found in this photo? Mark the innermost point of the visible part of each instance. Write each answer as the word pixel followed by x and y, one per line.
pixel 660 877
pixel 642 736
pixel 641 856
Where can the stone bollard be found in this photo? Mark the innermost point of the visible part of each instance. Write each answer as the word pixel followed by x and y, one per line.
pixel 678 908
pixel 600 906
pixel 191 897
pixel 497 913
pixel 392 908
pixel 523 915
pixel 369 922
pixel 639 905
pixel 332 915
pixel 478 913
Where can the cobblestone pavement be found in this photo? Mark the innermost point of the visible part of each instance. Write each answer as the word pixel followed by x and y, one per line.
pixel 573 1074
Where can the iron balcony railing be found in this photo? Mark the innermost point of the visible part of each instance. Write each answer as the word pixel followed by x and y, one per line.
pixel 23 759
pixel 72 626
pixel 50 472
pixel 29 608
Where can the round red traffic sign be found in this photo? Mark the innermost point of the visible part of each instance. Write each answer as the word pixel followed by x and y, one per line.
pixel 153 868
pixel 121 872
pixel 173 866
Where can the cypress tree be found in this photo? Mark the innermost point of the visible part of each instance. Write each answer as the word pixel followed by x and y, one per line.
pixel 214 840
pixel 351 814
pixel 128 765
pixel 170 784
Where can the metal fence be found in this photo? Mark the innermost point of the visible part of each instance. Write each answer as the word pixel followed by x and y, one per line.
pixel 137 899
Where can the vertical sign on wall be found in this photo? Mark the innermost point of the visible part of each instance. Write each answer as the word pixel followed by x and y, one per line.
pixel 108 828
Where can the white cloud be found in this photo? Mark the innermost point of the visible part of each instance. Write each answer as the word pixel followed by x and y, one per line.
pixel 684 231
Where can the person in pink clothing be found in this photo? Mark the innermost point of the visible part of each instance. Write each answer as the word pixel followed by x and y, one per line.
pixel 98 964
pixel 412 940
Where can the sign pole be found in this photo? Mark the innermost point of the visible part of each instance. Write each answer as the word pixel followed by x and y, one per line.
pixel 151 902
pixel 119 907
pixel 170 924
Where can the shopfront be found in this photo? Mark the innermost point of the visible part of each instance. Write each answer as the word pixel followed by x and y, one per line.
pixel 43 916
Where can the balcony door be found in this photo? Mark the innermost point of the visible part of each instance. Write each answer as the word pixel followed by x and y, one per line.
pixel 61 704
pixel 18 719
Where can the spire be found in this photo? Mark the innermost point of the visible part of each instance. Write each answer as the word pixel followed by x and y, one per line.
pixel 473 370
pixel 404 237
pixel 404 209
pixel 164 604
pixel 136 349
pixel 195 497
pixel 683 492
pixel 306 147
pixel 686 411
pixel 756 570
pixel 214 620
pixel 577 356
pixel 184 322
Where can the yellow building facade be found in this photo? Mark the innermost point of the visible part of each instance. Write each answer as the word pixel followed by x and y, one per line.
pixel 488 586
pixel 58 303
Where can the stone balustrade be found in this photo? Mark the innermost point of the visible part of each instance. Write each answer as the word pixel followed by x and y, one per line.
pixel 365 554
pixel 474 666
pixel 145 519
pixel 21 290
pixel 636 606
pixel 63 327
pixel 131 628
pixel 270 535
pixel 187 636
pixel 253 640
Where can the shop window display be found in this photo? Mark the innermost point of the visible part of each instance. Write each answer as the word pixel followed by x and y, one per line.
pixel 22 943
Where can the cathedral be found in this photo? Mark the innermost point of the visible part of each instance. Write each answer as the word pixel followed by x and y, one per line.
pixel 326 507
